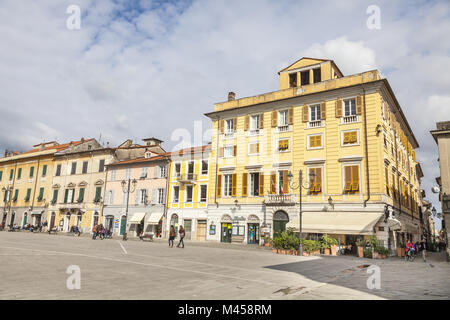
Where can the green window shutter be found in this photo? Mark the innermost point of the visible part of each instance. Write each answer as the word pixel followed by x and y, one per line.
pixel 27 198
pixel 11 174
pixel 101 166
pixel 16 195
pixel 44 170
pixel 41 194
pixel 66 195
pixel 73 196
pixel 55 196
pixel 81 196
pixel 1 175
pixel 31 172
pixel 98 192
pixel 19 173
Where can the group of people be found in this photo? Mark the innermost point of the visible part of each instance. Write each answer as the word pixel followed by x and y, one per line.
pixel 172 236
pixel 414 248
pixel 100 231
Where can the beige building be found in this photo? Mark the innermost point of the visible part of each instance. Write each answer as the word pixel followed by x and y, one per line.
pixel 442 137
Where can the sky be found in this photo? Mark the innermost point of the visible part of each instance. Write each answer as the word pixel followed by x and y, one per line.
pixel 138 69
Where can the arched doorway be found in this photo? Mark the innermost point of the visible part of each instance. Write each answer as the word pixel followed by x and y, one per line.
pixel 67 222
pixel 174 223
pixel 280 219
pixel 13 216
pixel 253 229
pixel 95 221
pixel 226 228
pixel 79 219
pixel 109 223
pixel 52 221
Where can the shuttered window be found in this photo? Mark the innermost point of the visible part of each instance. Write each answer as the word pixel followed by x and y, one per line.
pixel 388 188
pixel 233 185
pixel 315 182
pixel 351 179
pixel 41 194
pixel 98 193
pixel 219 185
pixel 16 195
pixel 81 195
pixel 245 184
pixel 31 172
pixel 273 183
pixel 44 170
pixel 1 175
pixel 253 148
pixel 101 166
pixel 85 167
pixel 27 198
pixel 350 137
pixel 55 196
pixel 58 170
pixel 283 145
pixel 315 141
pixel 11 174
pixel 261 184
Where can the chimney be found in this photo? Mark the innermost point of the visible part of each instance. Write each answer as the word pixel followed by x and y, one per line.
pixel 231 96
pixel 41 146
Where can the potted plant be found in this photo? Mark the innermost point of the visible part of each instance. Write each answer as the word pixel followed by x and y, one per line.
pixel 327 243
pixel 373 244
pixel 368 253
pixel 360 244
pixel 266 241
pixel 382 252
pixel 401 249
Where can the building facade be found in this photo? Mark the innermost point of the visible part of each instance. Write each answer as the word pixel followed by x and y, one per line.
pixel 25 181
pixel 135 195
pixel 442 137
pixel 78 184
pixel 346 134
pixel 188 192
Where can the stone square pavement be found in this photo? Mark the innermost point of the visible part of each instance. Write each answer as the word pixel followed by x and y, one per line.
pixel 34 266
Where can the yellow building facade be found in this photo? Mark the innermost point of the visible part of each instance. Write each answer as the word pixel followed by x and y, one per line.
pixel 25 181
pixel 188 191
pixel 349 131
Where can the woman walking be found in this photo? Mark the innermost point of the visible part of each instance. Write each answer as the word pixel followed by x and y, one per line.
pixel 171 236
pixel 182 233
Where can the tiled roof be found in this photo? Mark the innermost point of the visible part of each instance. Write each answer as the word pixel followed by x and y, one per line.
pixel 192 150
pixel 58 147
pixel 141 160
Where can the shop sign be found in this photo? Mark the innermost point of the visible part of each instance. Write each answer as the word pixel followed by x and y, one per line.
pixel 116 223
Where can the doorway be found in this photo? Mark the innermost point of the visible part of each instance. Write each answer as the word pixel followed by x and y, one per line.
pixel 253 233
pixel 226 232
pixel 25 218
pixel 280 219
pixel 67 222
pixel 174 223
pixel 52 221
pixel 188 229
pixel 201 230
pixel 109 223
pixel 123 224
pixel 13 215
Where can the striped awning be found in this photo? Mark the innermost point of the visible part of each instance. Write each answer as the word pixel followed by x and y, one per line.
pixel 137 217
pixel 154 218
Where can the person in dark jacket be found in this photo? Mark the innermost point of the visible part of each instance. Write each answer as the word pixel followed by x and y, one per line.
pixel 171 236
pixel 181 233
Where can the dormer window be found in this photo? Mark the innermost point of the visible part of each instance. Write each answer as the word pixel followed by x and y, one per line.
pixel 293 80
pixel 229 126
pixel 316 75
pixel 148 155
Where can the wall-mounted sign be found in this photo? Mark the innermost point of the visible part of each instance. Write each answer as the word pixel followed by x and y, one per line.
pixel 212 230
pixel 116 223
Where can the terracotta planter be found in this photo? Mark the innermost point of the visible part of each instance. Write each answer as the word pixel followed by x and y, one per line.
pixel 295 252
pixel 267 244
pixel 306 254
pixel 326 251
pixel 274 250
pixel 375 255
pixel 361 252
pixel 333 250
pixel 403 252
pixel 316 252
pixel 399 252
pixel 382 256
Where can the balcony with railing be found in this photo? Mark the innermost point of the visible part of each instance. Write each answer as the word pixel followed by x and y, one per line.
pixel 280 199
pixel 186 178
pixel 314 124
pixel 349 119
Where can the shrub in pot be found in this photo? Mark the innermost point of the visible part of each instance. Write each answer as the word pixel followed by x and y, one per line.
pixel 401 249
pixel 382 252
pixel 360 244
pixel 368 253
pixel 327 243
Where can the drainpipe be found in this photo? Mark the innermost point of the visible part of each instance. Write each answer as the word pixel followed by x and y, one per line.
pixel 35 183
pixel 366 148
pixel 166 202
pixel 11 195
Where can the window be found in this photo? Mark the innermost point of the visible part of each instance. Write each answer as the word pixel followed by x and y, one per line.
pixel 283 145
pixel 81 195
pixel 203 192
pixel 229 126
pixel 98 194
pixel 147 155
pixel 55 196
pixel 27 197
pixel 161 196
pixel 292 80
pixel 385 142
pixel 19 173
pixel 31 172
pixel 388 188
pixel 144 172
pixel 227 185
pixel 41 194
pixel 85 166
pixel 58 170
pixel 316 75
pixel 253 148
pixel 315 141
pixel 228 151
pixel 254 184
pixel 127 173
pixel 238 230
pixel 101 166
pixel 176 194
pixel 44 170
pixel 11 174
pixel 177 170
pixel 283 118
pixel 124 198
pixel 113 175
pixel 110 196
pixel 351 173
pixel 254 122
pixel 1 175
pixel 304 77
pixel 283 182
pixel 315 112
pixel 16 195
pixel 205 166
pixel 143 196
pixel 74 168
pixel 315 182
pixel 163 171
pixel 350 107
pixel 350 138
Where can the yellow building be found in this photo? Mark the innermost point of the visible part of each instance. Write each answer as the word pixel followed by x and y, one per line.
pixel 188 191
pixel 78 185
pixel 25 181
pixel 348 130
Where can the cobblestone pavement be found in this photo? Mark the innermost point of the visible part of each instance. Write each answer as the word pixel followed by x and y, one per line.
pixel 33 266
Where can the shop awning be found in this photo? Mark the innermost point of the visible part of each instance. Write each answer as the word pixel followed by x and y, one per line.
pixel 154 218
pixel 137 217
pixel 358 223
pixel 394 224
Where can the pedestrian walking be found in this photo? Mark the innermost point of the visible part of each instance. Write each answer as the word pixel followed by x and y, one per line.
pixel 94 232
pixel 423 248
pixel 181 233
pixel 171 236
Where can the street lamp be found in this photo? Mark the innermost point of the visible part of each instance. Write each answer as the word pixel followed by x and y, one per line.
pixel 299 186
pixel 126 188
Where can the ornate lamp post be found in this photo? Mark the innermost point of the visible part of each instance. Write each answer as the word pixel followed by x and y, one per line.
pixel 126 188
pixel 295 186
